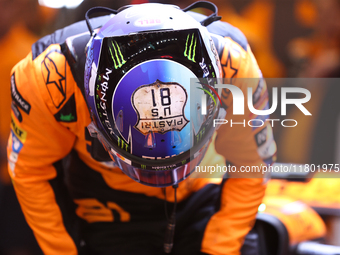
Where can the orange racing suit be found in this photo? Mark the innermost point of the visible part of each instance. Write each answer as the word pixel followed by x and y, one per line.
pixel 68 195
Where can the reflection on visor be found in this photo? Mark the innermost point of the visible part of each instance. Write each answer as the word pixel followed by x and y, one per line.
pixel 121 53
pixel 157 178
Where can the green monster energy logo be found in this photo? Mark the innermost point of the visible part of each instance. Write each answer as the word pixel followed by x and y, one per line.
pixel 68 117
pixel 122 144
pixel 117 57
pixel 190 47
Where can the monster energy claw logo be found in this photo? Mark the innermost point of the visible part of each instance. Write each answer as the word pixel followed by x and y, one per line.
pixel 117 57
pixel 68 117
pixel 190 47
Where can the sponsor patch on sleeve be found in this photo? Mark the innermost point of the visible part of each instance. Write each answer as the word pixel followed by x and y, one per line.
pixel 18 131
pixel 16 143
pixel 16 112
pixel 265 142
pixel 261 137
pixel 17 98
pixel 54 77
pixel 67 112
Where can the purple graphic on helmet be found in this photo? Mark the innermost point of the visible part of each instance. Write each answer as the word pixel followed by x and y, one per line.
pixel 151 102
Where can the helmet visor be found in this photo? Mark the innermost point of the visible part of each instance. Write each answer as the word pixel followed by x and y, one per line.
pixel 157 62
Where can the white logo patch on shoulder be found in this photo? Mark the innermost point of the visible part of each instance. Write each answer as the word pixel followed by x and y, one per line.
pixel 160 107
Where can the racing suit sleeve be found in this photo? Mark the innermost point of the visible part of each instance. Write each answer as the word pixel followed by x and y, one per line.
pixel 241 145
pixel 36 142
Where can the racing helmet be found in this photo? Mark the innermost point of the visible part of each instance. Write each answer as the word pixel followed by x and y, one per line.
pixel 146 72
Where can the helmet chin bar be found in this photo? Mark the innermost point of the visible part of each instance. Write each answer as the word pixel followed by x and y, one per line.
pixel 155 178
pixel 161 178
